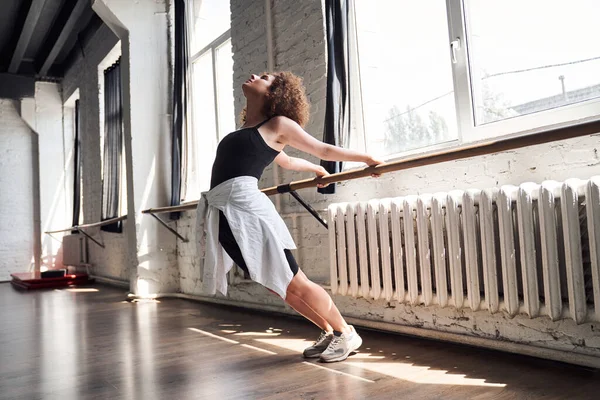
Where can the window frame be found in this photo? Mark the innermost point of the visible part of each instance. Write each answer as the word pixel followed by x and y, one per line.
pixel 537 122
pixel 468 132
pixel 212 47
pixel 236 275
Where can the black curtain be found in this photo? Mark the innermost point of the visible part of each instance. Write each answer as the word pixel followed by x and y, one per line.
pixel 336 132
pixel 113 146
pixel 77 167
pixel 180 94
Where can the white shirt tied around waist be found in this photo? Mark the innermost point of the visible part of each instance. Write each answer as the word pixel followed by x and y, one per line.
pixel 258 229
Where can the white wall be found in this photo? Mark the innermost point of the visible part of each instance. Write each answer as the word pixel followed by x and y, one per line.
pixel 56 164
pixel 143 30
pixel 17 233
pixel 300 47
pixel 36 162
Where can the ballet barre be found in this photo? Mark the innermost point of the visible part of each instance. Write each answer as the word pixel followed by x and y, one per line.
pixel 80 228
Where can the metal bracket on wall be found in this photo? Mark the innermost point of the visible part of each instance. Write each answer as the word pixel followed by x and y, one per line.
pixel 309 208
pixel 286 188
pixel 91 238
pixel 173 231
pixel 79 228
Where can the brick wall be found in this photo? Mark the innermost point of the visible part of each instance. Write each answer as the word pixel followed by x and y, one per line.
pixel 16 191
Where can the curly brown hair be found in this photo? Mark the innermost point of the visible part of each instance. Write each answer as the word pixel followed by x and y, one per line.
pixel 286 97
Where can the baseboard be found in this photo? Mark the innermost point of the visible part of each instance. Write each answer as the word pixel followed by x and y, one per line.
pixel 111 281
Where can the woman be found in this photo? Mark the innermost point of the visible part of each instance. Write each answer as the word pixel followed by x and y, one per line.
pixel 241 224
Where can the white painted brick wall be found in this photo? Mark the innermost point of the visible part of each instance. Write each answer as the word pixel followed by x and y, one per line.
pixel 16 192
pixel 54 155
pixel 149 87
pixel 147 111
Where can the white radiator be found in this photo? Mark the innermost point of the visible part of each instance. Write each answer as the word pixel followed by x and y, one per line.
pixel 532 249
pixel 74 250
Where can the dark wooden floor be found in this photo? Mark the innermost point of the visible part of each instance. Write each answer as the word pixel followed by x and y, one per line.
pixel 64 345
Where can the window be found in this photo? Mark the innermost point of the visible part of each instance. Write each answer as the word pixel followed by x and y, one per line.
pixel 112 148
pixel 406 75
pixel 211 67
pixel 73 173
pixel 438 72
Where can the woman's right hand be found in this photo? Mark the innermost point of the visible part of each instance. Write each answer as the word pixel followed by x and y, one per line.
pixel 321 172
pixel 371 162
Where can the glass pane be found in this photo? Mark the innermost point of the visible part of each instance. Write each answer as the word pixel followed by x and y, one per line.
pixel 204 116
pixel 530 56
pixel 225 89
pixel 212 18
pixel 406 74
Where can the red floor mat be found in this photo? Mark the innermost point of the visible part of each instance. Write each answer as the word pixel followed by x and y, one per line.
pixel 32 280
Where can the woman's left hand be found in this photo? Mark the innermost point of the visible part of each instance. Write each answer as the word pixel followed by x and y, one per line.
pixel 321 172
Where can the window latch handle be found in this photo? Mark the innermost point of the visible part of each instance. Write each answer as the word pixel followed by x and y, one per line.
pixel 454 47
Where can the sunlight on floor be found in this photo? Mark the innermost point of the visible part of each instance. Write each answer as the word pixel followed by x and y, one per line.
pixel 398 369
pixel 212 335
pixel 360 361
pixel 239 332
pixel 80 290
pixel 338 372
pixel 256 334
pixel 366 356
pixel 418 374
pixel 297 345
pixel 248 346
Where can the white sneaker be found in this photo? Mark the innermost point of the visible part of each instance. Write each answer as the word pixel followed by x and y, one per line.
pixel 341 346
pixel 319 346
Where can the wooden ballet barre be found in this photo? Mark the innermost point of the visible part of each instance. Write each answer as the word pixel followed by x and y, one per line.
pixel 79 228
pixel 470 150
pixel 95 224
pixel 182 207
pixel 103 223
pixel 467 151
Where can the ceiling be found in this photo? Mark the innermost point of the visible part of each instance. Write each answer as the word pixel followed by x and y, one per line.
pixel 40 38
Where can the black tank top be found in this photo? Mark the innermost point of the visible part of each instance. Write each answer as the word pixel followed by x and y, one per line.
pixel 241 153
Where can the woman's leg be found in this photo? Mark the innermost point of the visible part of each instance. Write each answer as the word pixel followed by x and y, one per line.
pixel 228 242
pixel 307 312
pixel 303 309
pixel 314 298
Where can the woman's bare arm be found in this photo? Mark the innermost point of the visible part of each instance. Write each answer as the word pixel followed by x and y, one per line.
pixel 292 134
pixel 296 164
pixel 299 164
